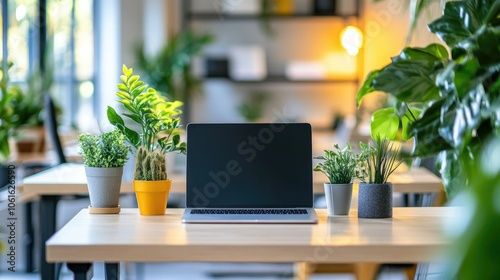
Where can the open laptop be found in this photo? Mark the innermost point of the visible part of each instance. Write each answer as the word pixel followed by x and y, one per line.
pixel 249 173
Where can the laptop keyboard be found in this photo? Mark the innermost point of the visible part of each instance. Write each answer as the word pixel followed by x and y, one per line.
pixel 249 211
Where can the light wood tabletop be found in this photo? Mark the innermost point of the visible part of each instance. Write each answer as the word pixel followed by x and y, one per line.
pixel 412 235
pixel 69 178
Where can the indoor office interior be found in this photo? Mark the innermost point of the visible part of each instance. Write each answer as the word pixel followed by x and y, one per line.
pixel 227 61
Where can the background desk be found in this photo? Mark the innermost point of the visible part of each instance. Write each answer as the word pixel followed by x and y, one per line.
pixel 412 235
pixel 69 178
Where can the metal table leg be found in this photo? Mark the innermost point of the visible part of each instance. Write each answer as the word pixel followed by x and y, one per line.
pixel 81 271
pixel 112 271
pixel 48 204
pixel 28 239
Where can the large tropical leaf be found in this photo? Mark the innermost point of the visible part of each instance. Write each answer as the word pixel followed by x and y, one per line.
pixel 366 87
pixel 452 172
pixel 487 50
pixel 408 81
pixel 385 124
pixel 457 25
pixel 427 141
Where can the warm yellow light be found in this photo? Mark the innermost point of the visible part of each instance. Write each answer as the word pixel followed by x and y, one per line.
pixel 351 39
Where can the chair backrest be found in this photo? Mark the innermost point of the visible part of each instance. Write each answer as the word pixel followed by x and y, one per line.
pixel 51 126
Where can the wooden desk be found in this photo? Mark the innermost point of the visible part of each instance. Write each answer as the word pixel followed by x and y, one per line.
pixel 412 235
pixel 69 179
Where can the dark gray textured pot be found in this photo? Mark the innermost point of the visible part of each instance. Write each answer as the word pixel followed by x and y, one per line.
pixel 375 201
pixel 104 186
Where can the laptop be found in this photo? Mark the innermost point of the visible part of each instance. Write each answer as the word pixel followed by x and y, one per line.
pixel 249 173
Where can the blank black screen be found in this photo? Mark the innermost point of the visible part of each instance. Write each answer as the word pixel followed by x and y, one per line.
pixel 265 165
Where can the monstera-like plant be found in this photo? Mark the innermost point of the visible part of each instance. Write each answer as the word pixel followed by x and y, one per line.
pixel 447 98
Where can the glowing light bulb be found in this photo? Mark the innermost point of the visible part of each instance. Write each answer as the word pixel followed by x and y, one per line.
pixel 351 39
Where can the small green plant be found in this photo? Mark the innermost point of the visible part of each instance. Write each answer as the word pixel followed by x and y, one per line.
pixel 157 119
pixel 105 150
pixel 341 166
pixel 380 161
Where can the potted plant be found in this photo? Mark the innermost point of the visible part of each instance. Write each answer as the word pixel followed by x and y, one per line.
pixel 104 156
pixel 375 193
pixel 446 96
pixel 341 166
pixel 8 122
pixel 157 133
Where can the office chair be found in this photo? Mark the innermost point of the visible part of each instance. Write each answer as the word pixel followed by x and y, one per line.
pixel 51 126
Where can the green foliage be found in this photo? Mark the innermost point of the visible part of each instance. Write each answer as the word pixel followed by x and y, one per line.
pixel 105 150
pixel 380 161
pixel 150 166
pixel 20 108
pixel 341 166
pixel 6 116
pixel 157 118
pixel 252 109
pixel 169 71
pixel 450 105
pixel 476 246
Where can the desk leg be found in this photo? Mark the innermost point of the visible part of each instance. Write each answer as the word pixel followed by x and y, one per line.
pixel 48 204
pixel 112 271
pixel 29 243
pixel 81 271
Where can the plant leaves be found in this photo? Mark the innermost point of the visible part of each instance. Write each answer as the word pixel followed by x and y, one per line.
pixel 432 53
pixel 113 117
pixel 487 51
pixel 407 120
pixel 408 81
pixel 452 172
pixel 366 87
pixel 457 24
pixel 384 124
pixel 427 141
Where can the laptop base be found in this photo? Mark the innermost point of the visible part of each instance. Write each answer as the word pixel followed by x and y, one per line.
pixel 309 218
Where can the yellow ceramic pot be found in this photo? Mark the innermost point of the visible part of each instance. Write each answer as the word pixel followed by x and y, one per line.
pixel 152 196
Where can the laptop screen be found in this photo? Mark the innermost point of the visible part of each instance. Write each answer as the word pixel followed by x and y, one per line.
pixel 249 165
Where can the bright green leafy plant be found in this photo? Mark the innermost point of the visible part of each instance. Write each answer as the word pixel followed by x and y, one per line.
pixel 341 166
pixel 449 102
pixel 156 118
pixel 380 161
pixel 105 150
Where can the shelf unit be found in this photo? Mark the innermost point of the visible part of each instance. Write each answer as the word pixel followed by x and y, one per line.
pixel 283 79
pixel 190 16
pixel 214 16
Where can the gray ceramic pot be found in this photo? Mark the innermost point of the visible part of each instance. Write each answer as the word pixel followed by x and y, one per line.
pixel 104 186
pixel 338 198
pixel 375 201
